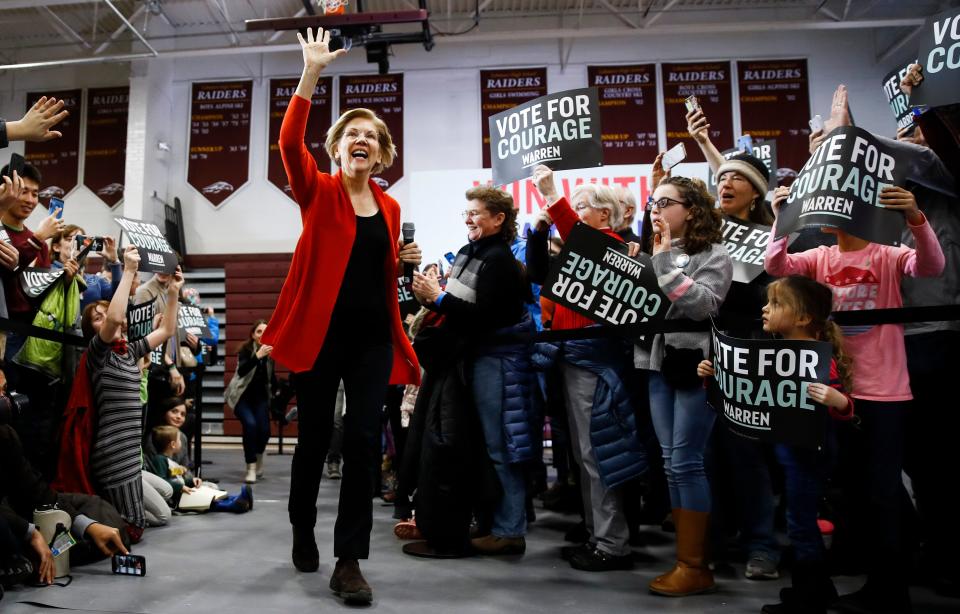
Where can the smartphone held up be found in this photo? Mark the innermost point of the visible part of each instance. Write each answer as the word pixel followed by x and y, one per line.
pixel 674 156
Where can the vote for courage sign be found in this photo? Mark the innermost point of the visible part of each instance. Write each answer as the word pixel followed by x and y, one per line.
pixel 761 387
pixel 560 130
pixel 841 184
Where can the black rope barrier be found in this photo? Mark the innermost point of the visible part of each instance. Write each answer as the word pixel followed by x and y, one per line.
pixel 866 317
pixel 29 330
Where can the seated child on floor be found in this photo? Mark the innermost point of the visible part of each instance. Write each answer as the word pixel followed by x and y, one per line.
pixel 167 442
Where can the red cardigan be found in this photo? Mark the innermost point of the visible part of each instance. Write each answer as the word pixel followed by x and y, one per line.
pixel 299 323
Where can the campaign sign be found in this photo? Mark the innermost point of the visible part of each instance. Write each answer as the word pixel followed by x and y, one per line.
pixel 746 243
pixel 156 356
pixel 156 255
pixel 765 151
pixel 761 387
pixel 560 130
pixel 940 57
pixel 139 320
pixel 899 102
pixel 840 186
pixel 191 320
pixel 408 302
pixel 35 282
pixel 594 277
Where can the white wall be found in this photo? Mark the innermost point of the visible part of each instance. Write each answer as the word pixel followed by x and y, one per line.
pixel 81 203
pixel 442 112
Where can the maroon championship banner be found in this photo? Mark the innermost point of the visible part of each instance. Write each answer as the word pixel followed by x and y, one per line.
pixel 504 89
pixel 628 112
pixel 58 160
pixel 775 105
pixel 710 83
pixel 105 157
pixel 321 116
pixel 219 163
pixel 382 94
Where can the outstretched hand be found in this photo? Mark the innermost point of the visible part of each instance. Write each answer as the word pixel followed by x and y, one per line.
pixel 316 51
pixel 36 123
pixel 839 110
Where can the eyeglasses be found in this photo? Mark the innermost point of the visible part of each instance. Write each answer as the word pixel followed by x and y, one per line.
pixel 471 214
pixel 355 135
pixel 663 203
pixel 580 207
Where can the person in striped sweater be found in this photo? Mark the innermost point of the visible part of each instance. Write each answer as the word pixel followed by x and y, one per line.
pixel 114 378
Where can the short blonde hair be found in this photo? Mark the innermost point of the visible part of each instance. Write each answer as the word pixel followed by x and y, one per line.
pixel 388 150
pixel 163 436
pixel 601 197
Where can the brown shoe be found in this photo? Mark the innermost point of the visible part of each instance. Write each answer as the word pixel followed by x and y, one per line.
pixel 691 576
pixel 407 529
pixel 491 544
pixel 348 583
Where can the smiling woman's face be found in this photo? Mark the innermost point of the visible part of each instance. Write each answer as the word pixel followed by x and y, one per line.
pixel 359 148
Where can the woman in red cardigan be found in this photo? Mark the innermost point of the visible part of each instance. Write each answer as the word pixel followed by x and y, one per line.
pixel 338 318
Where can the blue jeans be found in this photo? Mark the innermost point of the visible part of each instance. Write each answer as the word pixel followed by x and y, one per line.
pixel 255 420
pixel 683 423
pixel 805 472
pixel 510 514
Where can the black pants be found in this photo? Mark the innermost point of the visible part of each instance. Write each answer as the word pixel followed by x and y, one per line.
pixel 932 426
pixel 870 474
pixel 38 427
pixel 365 371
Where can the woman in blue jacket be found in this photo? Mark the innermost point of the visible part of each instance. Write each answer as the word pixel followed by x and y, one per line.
pixel 486 292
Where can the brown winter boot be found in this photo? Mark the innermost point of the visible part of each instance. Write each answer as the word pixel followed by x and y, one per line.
pixel 691 575
pixel 675 515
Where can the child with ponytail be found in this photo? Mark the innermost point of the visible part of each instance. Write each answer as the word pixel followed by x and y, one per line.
pixel 798 308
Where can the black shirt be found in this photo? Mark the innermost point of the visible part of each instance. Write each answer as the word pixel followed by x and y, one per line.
pixel 360 313
pixel 256 390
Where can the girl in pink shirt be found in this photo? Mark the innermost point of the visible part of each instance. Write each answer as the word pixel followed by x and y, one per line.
pixel 863 276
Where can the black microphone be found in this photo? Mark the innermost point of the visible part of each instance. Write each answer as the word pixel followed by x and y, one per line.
pixel 407 230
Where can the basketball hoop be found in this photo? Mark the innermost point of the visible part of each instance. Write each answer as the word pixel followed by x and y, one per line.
pixel 333 7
